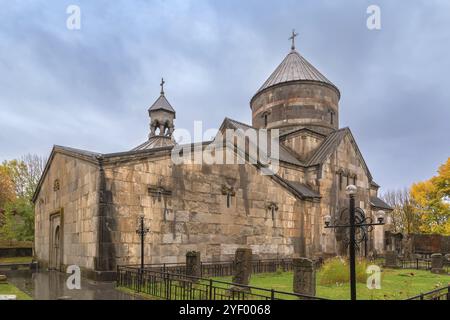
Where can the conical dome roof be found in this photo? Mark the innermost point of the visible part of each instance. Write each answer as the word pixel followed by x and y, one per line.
pixel 294 68
pixel 162 104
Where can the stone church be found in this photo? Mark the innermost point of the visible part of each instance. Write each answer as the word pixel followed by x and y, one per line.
pixel 87 204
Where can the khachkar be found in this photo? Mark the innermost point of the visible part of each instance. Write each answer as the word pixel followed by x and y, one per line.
pixel 304 276
pixel 242 269
pixel 390 258
pixel 193 264
pixel 437 263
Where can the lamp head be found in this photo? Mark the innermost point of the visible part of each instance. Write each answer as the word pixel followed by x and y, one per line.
pixel 351 190
pixel 380 216
pixel 327 220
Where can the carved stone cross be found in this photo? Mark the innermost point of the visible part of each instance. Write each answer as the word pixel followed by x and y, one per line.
pixel 229 192
pixel 273 207
pixel 159 192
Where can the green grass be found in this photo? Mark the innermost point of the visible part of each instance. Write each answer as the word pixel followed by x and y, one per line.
pixel 16 260
pixel 6 288
pixel 396 284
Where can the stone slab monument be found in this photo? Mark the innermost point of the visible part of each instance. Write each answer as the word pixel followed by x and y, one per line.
pixel 242 268
pixel 304 276
pixel 193 264
pixel 391 260
pixel 437 263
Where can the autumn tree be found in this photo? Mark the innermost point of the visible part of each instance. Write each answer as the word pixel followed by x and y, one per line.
pixel 18 181
pixel 404 217
pixel 432 201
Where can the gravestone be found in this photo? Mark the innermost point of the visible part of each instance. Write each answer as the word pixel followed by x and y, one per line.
pixel 390 259
pixel 193 264
pixel 3 278
pixel 437 263
pixel 242 268
pixel 304 276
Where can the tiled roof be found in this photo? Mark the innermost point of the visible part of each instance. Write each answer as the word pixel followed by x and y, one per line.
pixel 293 68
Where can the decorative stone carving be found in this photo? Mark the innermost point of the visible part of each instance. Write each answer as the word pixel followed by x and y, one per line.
pixel 242 267
pixel 437 263
pixel 229 192
pixel 390 259
pixel 304 276
pixel 193 264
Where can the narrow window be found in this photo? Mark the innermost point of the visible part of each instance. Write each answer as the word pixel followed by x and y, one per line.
pixel 265 120
pixel 331 117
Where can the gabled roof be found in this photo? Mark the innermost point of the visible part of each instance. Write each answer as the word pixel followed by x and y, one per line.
pixel 89 156
pixel 379 203
pixel 162 104
pixel 304 190
pixel 327 147
pixel 295 68
pixel 284 154
pixel 330 144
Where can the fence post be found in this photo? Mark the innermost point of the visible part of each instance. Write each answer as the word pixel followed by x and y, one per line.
pixel 417 263
pixel 210 289
pixel 272 294
pixel 448 293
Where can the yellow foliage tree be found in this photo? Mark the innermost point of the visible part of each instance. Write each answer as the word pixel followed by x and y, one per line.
pixel 432 198
pixel 7 192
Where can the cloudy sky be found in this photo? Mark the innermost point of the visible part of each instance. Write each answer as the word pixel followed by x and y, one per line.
pixel 90 88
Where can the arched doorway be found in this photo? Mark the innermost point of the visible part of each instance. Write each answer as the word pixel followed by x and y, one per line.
pixel 56 249
pixel 56 236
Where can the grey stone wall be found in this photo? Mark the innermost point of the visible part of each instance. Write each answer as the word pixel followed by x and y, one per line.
pixel 297 103
pixel 195 217
pixel 77 201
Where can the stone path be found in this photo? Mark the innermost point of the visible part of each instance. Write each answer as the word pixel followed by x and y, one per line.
pixel 52 285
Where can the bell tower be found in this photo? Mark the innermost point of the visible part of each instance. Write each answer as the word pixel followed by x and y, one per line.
pixel 162 116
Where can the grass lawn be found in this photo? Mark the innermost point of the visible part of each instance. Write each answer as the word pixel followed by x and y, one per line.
pixel 396 284
pixel 6 288
pixel 16 260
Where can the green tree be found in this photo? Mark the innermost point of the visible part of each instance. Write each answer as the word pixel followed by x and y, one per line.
pixel 21 177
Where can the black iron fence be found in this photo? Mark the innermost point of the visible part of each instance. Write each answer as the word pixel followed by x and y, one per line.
pixel 438 294
pixel 173 286
pixel 222 268
pixel 418 264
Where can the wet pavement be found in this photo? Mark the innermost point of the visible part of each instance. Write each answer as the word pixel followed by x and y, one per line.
pixel 52 285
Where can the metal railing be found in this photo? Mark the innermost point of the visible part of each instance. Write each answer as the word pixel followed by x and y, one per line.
pixel 222 268
pixel 418 264
pixel 172 286
pixel 438 294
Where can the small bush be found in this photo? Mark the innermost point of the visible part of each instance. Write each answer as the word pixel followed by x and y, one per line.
pixel 337 271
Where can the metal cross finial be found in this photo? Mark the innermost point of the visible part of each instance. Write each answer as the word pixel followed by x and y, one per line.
pixel 294 34
pixel 162 85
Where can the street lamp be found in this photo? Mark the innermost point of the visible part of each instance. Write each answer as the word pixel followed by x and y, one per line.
pixel 362 223
pixel 142 231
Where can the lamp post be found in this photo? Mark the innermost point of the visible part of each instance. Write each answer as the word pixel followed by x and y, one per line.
pixel 142 231
pixel 353 224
